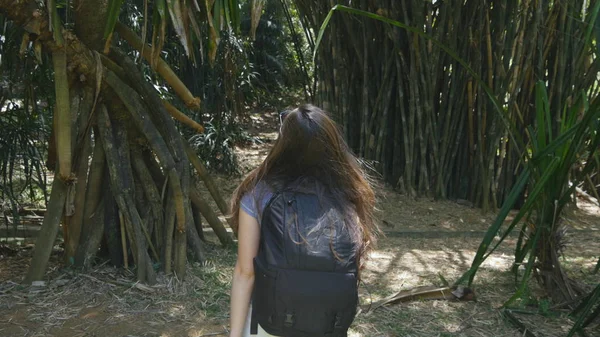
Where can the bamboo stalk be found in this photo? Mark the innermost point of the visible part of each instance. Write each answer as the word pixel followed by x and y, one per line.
pixel 511 45
pixel 62 114
pixel 471 131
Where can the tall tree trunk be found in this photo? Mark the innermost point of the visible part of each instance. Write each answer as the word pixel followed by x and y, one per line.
pixel 90 22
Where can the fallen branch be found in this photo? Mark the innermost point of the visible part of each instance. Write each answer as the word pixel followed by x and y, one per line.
pixel 426 293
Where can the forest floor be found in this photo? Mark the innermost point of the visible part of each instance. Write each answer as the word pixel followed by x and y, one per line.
pixel 424 240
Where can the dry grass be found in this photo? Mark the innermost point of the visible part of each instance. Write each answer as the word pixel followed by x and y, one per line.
pixel 108 302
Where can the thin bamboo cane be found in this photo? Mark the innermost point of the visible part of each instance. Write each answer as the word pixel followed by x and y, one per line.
pixel 169 229
pixel 512 45
pixel 123 241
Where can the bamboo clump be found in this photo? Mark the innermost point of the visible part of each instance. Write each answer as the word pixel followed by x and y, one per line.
pixel 409 107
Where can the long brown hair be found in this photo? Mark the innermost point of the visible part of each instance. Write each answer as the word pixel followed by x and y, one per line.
pixel 310 145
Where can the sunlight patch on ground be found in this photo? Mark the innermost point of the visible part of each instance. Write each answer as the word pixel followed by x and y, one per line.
pixel 500 262
pixel 588 208
pixel 379 262
pixel 176 310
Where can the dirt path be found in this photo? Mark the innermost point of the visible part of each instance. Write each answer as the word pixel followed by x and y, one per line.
pixel 425 239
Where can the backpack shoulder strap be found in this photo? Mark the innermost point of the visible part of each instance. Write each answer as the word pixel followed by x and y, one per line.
pixel 268 206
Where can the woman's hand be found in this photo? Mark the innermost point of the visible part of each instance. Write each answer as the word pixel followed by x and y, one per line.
pixel 243 274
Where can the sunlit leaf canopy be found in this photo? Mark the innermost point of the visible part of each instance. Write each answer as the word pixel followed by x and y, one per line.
pixel 186 18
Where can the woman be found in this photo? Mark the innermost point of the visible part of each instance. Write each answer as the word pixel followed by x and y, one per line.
pixel 310 149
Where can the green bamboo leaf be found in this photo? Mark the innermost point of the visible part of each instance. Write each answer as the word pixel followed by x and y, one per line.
pixel 213 34
pixel 597 33
pixel 592 159
pixel 515 137
pixel 234 8
pixel 217 13
pixel 565 119
pixel 535 146
pixel 159 27
pixel 483 253
pixel 554 145
pixel 529 204
pixel 521 249
pixel 593 25
pixel 177 10
pixel 582 134
pixel 597 267
pixel 226 12
pixel 533 198
pixel 583 309
pixel 592 317
pixel 161 8
pixel 542 113
pixel 114 8
pixel 570 114
pixel 196 30
pixel 155 18
pixel 528 269
pixel 495 227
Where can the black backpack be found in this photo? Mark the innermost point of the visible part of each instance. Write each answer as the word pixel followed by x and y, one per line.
pixel 305 271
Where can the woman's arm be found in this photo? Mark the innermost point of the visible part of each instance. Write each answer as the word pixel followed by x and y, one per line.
pixel 243 274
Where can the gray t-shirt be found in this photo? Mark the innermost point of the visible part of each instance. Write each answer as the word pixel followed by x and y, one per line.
pixel 255 201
